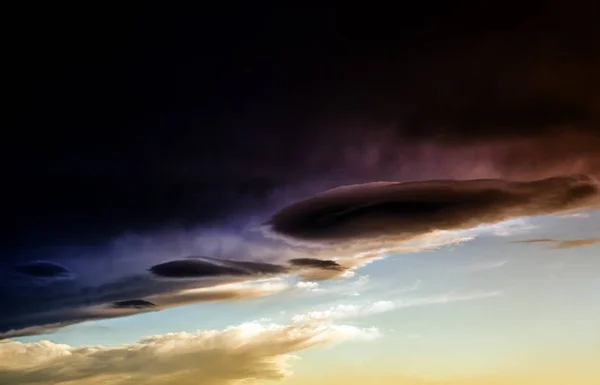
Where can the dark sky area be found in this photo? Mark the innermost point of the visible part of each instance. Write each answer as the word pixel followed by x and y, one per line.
pixel 137 116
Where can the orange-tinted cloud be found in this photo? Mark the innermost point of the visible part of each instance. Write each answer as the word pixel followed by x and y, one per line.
pixel 564 244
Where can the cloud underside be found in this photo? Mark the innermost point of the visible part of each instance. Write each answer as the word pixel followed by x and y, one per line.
pixel 172 295
pixel 354 225
pixel 404 211
pixel 194 267
pixel 169 284
pixel 252 351
pixel 43 269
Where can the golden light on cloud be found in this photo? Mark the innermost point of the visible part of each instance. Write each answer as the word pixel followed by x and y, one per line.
pixel 251 351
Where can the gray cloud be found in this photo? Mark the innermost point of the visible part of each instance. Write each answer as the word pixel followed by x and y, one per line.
pixel 404 211
pixel 43 269
pixel 316 263
pixel 313 269
pixel 134 304
pixel 346 218
pixel 61 311
pixel 31 309
pixel 210 267
pixel 186 268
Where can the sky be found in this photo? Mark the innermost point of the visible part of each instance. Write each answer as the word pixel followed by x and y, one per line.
pixel 265 193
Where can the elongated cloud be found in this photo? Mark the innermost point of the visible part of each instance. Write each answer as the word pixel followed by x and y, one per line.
pixel 134 304
pixel 576 243
pixel 402 211
pixel 211 267
pixel 316 263
pixel 356 224
pixel 106 304
pixel 564 244
pixel 356 310
pixel 252 351
pixel 43 269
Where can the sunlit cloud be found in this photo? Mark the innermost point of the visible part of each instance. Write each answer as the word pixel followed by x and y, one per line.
pixel 251 351
pixel 343 311
pixel 308 285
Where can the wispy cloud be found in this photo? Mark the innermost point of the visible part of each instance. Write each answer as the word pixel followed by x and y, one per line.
pixel 576 243
pixel 482 266
pixel 506 228
pixel 563 244
pixel 343 311
pixel 575 216
pixel 259 350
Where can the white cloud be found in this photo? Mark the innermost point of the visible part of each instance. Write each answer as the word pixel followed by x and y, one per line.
pixel 308 285
pixel 355 255
pixel 344 311
pixel 254 351
pixel 251 351
pixel 505 228
pixel 575 215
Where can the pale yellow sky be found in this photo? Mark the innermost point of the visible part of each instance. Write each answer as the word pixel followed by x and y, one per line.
pixel 550 372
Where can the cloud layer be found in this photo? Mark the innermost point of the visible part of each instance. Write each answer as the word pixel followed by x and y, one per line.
pixel 350 226
pixel 403 211
pixel 58 306
pixel 251 351
pixel 195 267
pixel 43 269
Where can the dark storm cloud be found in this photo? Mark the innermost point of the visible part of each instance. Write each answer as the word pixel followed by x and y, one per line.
pixel 208 120
pixel 210 267
pixel 133 303
pixel 407 210
pixel 32 312
pixel 43 269
pixel 31 309
pixel 313 269
pixel 489 91
pixel 92 210
pixel 187 268
pixel 316 263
